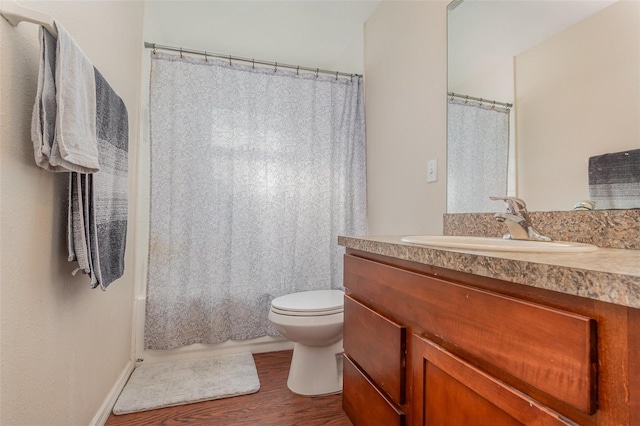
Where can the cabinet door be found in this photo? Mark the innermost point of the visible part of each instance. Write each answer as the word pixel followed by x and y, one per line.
pixel 449 391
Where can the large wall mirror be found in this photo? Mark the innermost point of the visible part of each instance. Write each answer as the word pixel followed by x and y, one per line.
pixel 570 70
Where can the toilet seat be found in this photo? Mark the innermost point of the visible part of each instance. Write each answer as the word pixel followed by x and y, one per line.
pixel 306 313
pixel 309 303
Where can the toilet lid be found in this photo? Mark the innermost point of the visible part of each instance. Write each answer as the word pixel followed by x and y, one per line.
pixel 315 302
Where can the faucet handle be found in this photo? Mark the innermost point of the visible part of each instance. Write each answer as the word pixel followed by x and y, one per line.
pixel 514 204
pixel 518 221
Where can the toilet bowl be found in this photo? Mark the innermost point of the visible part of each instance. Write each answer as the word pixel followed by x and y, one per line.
pixel 313 321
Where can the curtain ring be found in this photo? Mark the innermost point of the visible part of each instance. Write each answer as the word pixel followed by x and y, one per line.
pixel 336 75
pixel 181 53
pixel 154 49
pixel 298 70
pixel 276 68
pixel 493 106
pixel 229 59
pixel 205 56
pixel 253 64
pixel 317 71
pixel 466 99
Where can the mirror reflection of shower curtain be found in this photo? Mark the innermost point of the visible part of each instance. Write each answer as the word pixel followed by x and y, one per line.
pixel 477 155
pixel 254 174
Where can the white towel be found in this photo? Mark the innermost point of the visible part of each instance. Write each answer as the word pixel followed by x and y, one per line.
pixel 63 126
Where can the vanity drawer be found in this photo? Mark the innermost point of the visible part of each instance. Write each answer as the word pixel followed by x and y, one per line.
pixel 520 342
pixel 377 345
pixel 364 403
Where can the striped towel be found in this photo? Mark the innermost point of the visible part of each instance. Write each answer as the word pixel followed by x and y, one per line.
pixel 614 180
pixel 108 187
pixel 65 113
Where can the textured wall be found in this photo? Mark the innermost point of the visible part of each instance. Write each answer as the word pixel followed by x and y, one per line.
pixel 63 345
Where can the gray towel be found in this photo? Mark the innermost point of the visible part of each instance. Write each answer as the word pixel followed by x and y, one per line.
pixel 614 180
pixel 77 230
pixel 108 187
pixel 98 205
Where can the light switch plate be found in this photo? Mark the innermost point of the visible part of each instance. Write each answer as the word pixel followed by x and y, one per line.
pixel 432 171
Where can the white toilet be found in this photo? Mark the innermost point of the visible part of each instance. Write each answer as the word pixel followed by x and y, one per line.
pixel 313 320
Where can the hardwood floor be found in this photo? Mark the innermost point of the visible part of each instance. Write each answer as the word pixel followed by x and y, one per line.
pixel 273 404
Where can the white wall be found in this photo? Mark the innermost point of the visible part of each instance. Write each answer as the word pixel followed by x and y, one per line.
pixel 406 106
pixel 569 111
pixel 63 345
pixel 324 34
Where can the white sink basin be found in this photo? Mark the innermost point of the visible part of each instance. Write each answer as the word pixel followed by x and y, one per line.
pixel 499 244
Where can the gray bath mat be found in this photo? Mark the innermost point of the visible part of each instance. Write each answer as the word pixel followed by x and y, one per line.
pixel 183 382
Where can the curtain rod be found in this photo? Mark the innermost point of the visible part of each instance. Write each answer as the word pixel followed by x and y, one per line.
pixel 472 98
pixel 252 61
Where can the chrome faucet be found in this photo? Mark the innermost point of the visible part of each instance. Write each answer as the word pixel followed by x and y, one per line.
pixel 518 221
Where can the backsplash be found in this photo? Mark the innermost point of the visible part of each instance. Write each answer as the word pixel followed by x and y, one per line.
pixel 603 228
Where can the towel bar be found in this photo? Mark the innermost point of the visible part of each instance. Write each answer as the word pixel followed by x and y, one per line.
pixel 15 13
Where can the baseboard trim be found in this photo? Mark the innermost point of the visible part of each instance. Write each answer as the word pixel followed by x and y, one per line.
pixel 257 345
pixel 105 409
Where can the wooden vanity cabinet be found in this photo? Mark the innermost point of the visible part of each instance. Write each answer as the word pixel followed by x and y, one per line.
pixel 427 346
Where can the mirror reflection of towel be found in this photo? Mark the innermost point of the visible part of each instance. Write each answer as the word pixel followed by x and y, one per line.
pixel 614 180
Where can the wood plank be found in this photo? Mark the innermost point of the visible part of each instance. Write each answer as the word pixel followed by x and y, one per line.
pixel 273 404
pixel 377 345
pixel 551 349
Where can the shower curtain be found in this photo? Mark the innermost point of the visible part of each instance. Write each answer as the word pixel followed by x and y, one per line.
pixel 254 174
pixel 477 155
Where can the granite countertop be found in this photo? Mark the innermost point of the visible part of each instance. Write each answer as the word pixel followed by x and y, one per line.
pixel 609 275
